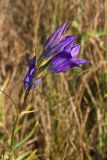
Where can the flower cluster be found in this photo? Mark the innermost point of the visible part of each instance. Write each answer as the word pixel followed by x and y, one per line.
pixel 59 55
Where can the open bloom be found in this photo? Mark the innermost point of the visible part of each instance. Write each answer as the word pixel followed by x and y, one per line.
pixel 61 51
pixel 66 60
pixel 59 55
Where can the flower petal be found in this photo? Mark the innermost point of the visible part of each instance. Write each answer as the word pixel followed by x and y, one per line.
pixel 75 50
pixel 63 62
pixel 30 74
pixel 65 44
pixel 56 36
pixel 80 61
pixel 70 45
pixel 59 60
pixel 33 62
pixel 36 82
pixel 62 67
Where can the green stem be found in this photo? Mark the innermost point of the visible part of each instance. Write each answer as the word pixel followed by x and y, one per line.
pixel 13 131
pixel 16 120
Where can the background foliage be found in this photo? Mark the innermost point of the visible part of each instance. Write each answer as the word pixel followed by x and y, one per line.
pixel 70 108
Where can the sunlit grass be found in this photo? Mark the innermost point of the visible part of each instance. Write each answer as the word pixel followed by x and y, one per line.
pixel 70 109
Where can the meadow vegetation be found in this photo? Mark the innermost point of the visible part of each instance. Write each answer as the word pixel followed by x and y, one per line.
pixel 66 115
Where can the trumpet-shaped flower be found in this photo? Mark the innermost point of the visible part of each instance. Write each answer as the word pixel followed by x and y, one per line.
pixel 29 81
pixel 65 61
pixel 59 55
pixel 51 45
pixel 64 44
pixel 56 36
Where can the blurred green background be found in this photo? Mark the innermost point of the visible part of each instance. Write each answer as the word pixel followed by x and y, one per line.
pixel 70 108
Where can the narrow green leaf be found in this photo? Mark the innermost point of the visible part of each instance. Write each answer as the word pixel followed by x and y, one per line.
pixel 24 140
pixel 32 155
pixel 22 156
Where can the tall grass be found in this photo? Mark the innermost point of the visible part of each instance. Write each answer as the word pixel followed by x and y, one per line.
pixel 70 109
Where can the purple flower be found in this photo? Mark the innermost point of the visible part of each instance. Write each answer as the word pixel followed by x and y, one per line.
pixel 64 44
pixel 56 36
pixel 59 55
pixel 29 81
pixel 66 60
pixel 53 44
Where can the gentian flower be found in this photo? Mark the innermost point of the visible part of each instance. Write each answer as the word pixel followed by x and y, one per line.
pixel 56 36
pixel 64 43
pixel 66 60
pixel 59 55
pixel 29 81
pixel 50 45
